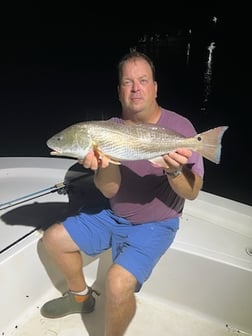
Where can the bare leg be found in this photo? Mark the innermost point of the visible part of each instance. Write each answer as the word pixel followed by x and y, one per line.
pixel 66 254
pixel 120 306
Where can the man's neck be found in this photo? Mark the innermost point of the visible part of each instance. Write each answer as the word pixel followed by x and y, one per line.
pixel 143 117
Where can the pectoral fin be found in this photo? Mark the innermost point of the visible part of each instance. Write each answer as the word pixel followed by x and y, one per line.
pixel 114 161
pixel 100 155
pixel 159 162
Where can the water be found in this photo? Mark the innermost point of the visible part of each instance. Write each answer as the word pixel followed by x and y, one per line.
pixel 47 85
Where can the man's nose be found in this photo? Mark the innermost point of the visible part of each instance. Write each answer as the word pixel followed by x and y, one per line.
pixel 135 86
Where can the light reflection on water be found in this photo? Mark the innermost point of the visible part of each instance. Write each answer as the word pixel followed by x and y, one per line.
pixel 208 76
pixel 179 44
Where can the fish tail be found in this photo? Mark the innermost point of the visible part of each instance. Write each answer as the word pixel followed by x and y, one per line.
pixel 211 143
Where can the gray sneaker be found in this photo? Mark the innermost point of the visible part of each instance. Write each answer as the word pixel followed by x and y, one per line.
pixel 67 304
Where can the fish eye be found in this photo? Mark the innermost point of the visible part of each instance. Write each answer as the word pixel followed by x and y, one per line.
pixel 59 138
pixel 199 138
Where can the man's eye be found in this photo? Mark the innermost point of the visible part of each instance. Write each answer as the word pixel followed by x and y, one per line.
pixel 126 83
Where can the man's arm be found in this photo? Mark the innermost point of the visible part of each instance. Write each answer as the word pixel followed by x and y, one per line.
pixel 107 176
pixel 108 180
pixel 187 184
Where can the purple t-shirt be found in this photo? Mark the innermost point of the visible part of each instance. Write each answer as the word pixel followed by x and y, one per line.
pixel 145 194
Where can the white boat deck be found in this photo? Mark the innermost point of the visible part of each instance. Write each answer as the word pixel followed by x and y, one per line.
pixel 153 317
pixel 205 253
pixel 20 177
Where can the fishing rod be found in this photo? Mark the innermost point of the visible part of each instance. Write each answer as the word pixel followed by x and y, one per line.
pixel 59 187
pixel 62 189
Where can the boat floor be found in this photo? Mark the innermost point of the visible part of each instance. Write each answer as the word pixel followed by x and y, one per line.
pixel 153 317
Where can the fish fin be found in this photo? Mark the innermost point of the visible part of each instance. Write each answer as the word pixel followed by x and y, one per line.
pixel 158 162
pixel 115 162
pixel 211 143
pixel 99 154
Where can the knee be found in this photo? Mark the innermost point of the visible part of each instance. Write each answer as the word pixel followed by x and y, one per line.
pixel 52 235
pixel 120 284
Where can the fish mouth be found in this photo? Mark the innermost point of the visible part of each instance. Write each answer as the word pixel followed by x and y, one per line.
pixel 55 153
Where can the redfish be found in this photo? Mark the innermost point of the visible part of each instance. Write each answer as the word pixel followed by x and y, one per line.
pixel 123 142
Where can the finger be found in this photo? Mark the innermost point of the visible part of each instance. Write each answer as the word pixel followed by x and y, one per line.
pixel 171 160
pixel 184 151
pixel 88 160
pixel 103 161
pixel 175 159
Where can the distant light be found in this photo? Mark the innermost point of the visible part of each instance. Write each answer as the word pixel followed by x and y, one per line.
pixel 215 19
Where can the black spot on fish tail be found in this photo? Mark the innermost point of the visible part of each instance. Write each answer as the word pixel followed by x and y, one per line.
pixel 210 147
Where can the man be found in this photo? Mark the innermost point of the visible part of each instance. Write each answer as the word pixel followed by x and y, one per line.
pixel 146 203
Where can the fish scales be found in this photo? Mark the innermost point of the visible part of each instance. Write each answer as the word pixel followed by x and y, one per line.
pixel 122 142
pixel 136 142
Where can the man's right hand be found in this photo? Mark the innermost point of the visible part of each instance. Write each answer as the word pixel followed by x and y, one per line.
pixel 94 161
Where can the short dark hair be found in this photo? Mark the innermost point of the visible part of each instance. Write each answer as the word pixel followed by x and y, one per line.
pixel 135 55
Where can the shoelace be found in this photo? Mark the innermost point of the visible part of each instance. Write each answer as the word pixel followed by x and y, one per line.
pixel 91 290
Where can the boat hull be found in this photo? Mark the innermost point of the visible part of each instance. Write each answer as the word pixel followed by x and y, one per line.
pixel 202 285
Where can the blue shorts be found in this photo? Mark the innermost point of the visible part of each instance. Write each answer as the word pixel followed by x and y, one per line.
pixel 137 248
